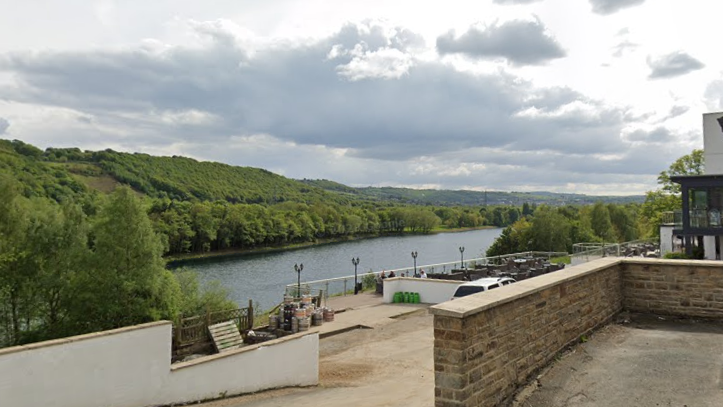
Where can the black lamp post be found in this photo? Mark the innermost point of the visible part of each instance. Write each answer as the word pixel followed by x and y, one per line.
pixel 461 253
pixel 298 268
pixel 355 262
pixel 414 256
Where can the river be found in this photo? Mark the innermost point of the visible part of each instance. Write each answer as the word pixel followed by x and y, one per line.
pixel 262 277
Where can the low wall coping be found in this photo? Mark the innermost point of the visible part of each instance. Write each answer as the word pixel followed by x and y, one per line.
pixel 425 280
pixel 78 338
pixel 473 304
pixel 248 348
pixel 677 262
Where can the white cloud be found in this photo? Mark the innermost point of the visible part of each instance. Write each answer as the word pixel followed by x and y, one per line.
pixel 356 92
pixel 386 63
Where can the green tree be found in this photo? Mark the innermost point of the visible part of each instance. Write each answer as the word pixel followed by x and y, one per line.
pixel 652 210
pixel 667 197
pixel 550 231
pixel 197 298
pixel 129 281
pixel 600 222
pixel 513 239
pixel 527 210
pixel 15 283
pixel 60 250
pixel 622 218
pixel 689 164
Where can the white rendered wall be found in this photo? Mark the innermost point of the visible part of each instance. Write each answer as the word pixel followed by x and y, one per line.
pixel 131 367
pixel 666 240
pixel 288 363
pixel 713 143
pixel 431 291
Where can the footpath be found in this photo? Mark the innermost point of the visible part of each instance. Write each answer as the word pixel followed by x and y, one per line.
pixel 373 354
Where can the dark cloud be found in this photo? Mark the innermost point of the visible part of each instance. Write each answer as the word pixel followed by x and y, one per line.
pixel 676 111
pixel 341 92
pixel 656 135
pixel 672 65
pixel 520 42
pixel 606 7
pixel 4 124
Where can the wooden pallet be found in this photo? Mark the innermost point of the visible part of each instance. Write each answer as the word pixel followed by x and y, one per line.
pixel 225 336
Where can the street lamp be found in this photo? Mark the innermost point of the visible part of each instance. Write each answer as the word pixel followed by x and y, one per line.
pixel 461 253
pixel 355 262
pixel 298 268
pixel 414 256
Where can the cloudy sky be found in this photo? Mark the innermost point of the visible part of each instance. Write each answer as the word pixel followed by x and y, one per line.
pixel 586 96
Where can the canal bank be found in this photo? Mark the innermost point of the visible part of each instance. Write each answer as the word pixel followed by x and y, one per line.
pixel 188 259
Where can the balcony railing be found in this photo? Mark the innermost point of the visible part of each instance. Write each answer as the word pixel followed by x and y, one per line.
pixel 674 218
pixel 699 218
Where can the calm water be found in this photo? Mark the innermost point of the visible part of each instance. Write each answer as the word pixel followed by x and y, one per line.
pixel 262 277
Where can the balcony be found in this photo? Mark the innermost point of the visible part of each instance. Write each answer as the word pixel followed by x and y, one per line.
pixel 672 218
pixel 699 218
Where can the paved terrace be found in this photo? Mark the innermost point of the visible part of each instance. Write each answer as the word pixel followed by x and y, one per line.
pixel 630 359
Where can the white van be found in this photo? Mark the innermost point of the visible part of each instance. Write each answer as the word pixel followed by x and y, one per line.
pixel 483 284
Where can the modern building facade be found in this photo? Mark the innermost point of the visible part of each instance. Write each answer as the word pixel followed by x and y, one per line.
pixel 702 195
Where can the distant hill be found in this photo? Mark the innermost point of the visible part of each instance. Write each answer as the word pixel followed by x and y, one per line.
pixel 469 198
pixel 69 172
pixel 57 173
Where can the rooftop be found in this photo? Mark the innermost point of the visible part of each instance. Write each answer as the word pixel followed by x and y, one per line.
pixel 635 360
pixel 642 360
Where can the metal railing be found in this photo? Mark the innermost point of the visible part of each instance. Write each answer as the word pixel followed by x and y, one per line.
pixel 345 285
pixel 584 252
pixel 674 218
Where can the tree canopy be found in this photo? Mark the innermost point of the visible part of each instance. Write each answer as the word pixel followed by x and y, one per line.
pixel 667 197
pixel 689 164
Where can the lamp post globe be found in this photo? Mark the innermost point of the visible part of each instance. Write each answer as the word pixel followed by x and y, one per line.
pixel 298 268
pixel 355 262
pixel 414 256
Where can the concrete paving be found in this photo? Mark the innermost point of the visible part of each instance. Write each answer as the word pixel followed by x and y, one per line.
pixel 389 365
pixel 644 361
pixel 641 361
pixel 363 311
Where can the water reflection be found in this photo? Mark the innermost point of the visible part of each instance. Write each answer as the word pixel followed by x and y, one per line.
pixel 262 277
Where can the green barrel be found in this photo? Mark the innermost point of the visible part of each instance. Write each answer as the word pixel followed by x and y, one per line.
pixel 397 296
pixel 416 298
pixel 406 297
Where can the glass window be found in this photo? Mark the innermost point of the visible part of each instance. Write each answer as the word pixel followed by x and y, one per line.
pixel 699 198
pixel 466 290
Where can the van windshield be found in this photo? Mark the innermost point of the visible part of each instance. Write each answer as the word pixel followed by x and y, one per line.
pixel 466 290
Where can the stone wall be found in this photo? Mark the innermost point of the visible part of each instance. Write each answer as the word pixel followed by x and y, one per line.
pixel 680 288
pixel 489 344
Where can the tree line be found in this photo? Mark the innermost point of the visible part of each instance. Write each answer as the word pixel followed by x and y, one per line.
pixel 200 227
pixel 556 229
pixel 63 272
